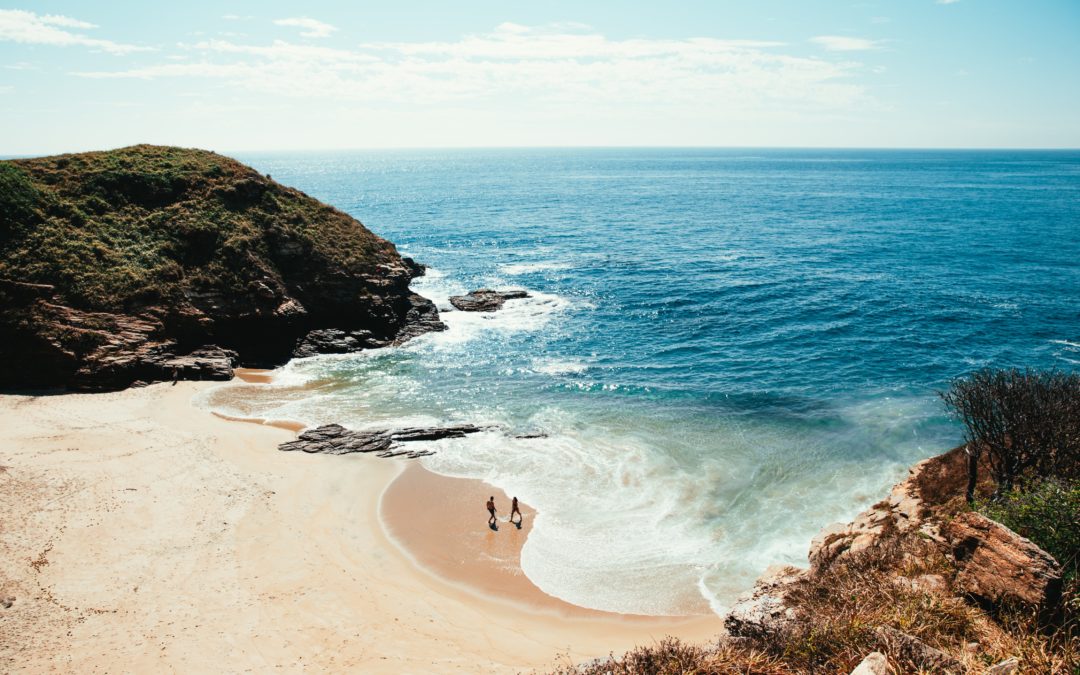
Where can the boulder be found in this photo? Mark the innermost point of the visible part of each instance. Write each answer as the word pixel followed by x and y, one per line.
pixel 997 567
pixel 875 663
pixel 205 363
pixel 485 300
pixel 421 317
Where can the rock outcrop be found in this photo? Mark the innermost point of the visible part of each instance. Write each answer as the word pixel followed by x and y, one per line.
pixel 998 567
pixel 765 610
pixel 334 439
pixel 485 300
pixel 901 512
pixel 132 264
pixel 923 519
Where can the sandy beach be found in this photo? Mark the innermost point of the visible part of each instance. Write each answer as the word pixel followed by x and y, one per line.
pixel 140 533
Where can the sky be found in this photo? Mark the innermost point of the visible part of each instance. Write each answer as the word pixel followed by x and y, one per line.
pixel 313 75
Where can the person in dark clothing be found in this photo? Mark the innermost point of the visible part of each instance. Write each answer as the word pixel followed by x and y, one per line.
pixel 491 510
pixel 514 509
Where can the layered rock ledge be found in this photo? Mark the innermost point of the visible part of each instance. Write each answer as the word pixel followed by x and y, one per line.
pixel 334 439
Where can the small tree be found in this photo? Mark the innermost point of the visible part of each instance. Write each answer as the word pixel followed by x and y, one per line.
pixel 1026 422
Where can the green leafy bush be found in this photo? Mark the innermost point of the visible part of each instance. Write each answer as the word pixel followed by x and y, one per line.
pixel 1047 513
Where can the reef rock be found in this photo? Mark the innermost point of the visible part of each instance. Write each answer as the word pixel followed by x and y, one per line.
pixel 485 300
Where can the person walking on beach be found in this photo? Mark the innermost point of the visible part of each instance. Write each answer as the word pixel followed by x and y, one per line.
pixel 491 510
pixel 514 509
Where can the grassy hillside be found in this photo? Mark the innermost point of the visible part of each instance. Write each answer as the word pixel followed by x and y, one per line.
pixel 118 229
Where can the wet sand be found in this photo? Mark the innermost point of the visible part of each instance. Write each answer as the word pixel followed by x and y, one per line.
pixel 441 523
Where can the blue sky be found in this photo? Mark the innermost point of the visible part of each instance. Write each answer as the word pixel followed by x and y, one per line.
pixel 235 76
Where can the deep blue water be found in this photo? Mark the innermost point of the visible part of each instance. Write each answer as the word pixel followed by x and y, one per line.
pixel 728 348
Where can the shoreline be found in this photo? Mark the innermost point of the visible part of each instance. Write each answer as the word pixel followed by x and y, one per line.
pixel 145 533
pixel 419 507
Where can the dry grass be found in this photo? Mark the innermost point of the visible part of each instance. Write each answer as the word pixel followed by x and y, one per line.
pixel 840 612
pixel 670 656
pixel 841 608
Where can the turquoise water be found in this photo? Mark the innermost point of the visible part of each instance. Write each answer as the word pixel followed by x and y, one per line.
pixel 728 349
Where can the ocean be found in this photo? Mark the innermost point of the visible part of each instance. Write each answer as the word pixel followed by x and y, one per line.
pixel 727 349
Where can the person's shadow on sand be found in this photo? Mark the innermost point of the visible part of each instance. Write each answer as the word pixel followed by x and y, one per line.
pixel 517 524
pixel 494 526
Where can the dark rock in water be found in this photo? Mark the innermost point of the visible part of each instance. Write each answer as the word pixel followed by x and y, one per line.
pixel 415 268
pixel 214 253
pixel 334 439
pixel 485 300
pixel 336 341
pixel 421 317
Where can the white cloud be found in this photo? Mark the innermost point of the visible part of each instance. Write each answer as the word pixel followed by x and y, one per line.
pixel 17 25
pixel 536 68
pixel 66 21
pixel 842 43
pixel 311 27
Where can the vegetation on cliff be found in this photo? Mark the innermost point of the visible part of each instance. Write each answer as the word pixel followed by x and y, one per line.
pixel 120 229
pixel 198 247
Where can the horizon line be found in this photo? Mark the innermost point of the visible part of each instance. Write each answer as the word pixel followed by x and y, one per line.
pixel 913 148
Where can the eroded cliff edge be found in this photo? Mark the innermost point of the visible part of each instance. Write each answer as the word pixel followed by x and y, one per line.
pixel 920 578
pixel 150 262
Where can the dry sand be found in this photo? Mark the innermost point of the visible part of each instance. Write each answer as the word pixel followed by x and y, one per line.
pixel 140 534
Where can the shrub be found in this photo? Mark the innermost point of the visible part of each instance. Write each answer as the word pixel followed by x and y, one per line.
pixel 1026 422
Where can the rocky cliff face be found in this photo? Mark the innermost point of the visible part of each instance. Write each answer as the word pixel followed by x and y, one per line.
pixel 920 549
pixel 149 262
